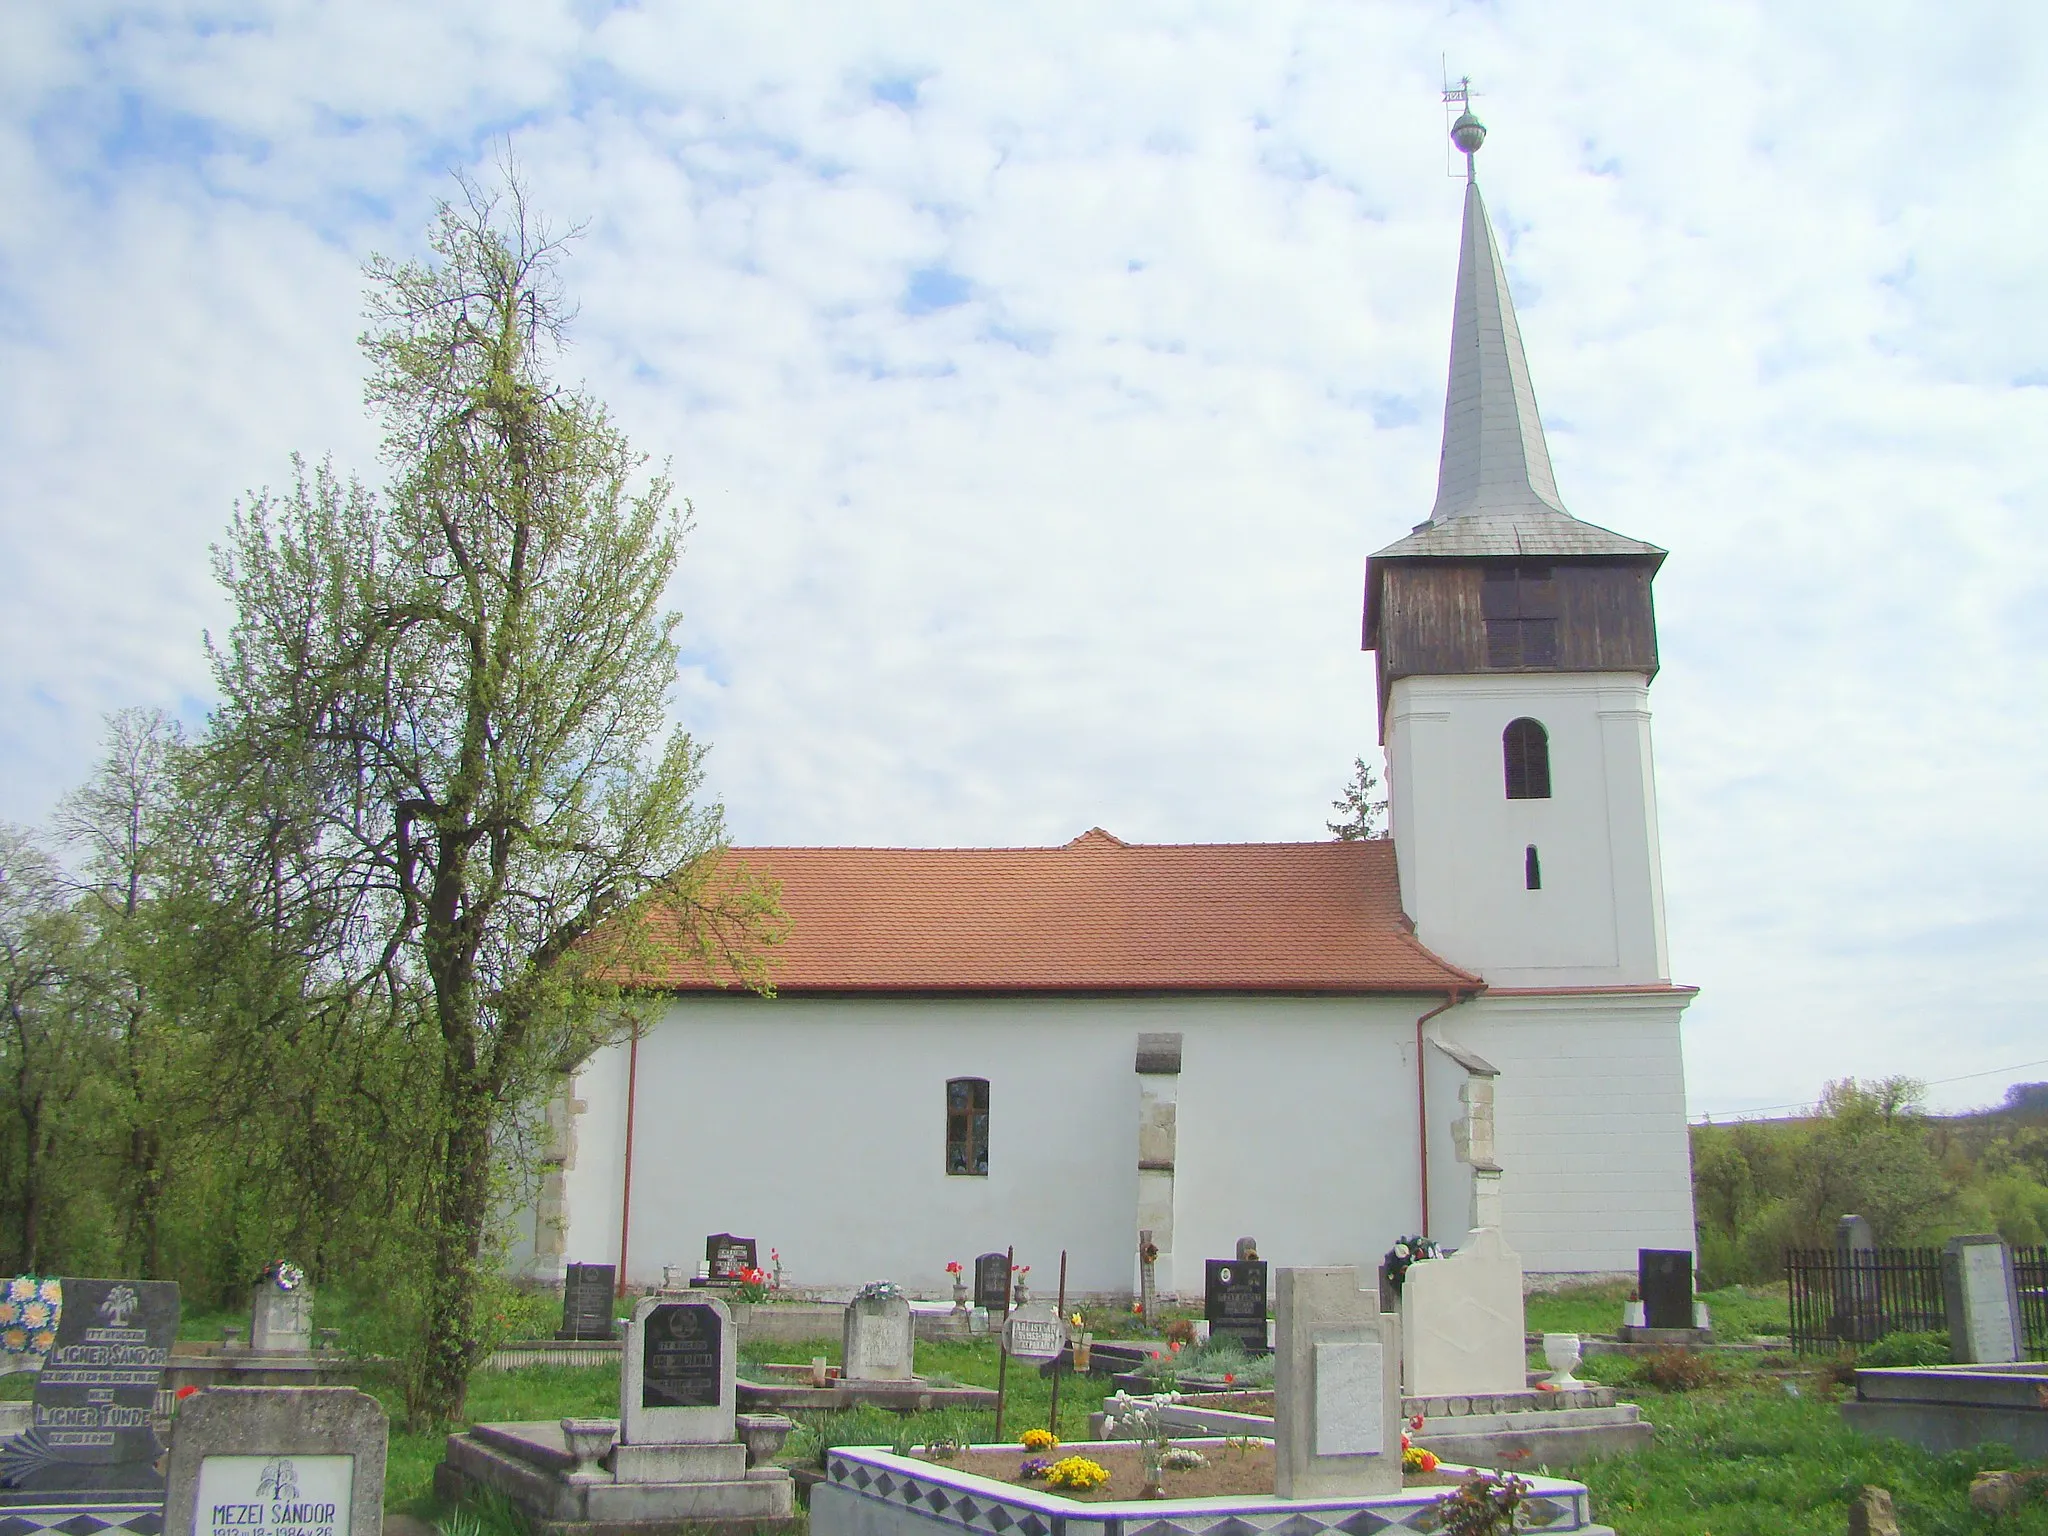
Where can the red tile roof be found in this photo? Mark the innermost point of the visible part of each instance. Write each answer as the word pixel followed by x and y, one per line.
pixel 1096 914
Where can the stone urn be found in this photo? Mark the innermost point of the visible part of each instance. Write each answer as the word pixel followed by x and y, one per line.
pixel 960 1299
pixel 589 1441
pixel 1561 1353
pixel 763 1434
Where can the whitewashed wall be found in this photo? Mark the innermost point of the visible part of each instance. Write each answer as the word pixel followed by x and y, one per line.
pixel 1599 918
pixel 817 1126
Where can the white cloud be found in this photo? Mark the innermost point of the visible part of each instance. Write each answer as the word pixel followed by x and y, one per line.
pixel 1042 377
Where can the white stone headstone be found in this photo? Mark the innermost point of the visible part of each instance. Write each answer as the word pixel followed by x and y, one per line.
pixel 307 1461
pixel 281 1321
pixel 1336 1387
pixel 1461 1321
pixel 1034 1332
pixel 1983 1301
pixel 879 1339
pixel 676 1383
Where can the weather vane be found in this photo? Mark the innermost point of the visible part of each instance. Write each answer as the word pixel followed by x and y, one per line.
pixel 1467 133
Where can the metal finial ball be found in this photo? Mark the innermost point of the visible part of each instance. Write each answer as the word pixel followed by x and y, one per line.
pixel 1468 133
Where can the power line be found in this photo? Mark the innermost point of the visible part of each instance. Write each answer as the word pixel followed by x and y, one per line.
pixel 1962 1077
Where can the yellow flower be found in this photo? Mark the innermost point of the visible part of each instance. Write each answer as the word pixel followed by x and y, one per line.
pixel 36 1314
pixel 53 1292
pixel 20 1288
pixel 15 1338
pixel 45 1341
pixel 10 1312
pixel 1040 1439
pixel 1077 1473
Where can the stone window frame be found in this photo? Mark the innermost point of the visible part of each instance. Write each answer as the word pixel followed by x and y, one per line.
pixel 967 1101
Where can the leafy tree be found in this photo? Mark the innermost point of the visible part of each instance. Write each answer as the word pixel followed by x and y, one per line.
pixel 1362 816
pixel 441 722
pixel 49 1042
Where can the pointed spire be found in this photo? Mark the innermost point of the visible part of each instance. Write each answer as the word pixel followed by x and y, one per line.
pixel 1495 461
pixel 1496 494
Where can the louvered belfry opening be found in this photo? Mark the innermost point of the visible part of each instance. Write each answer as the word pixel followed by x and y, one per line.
pixel 1525 749
pixel 1520 606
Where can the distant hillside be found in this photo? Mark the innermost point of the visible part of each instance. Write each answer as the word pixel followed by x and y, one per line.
pixel 1760 1186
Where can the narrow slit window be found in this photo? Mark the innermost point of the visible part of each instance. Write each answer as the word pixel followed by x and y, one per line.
pixel 1525 749
pixel 967 1126
pixel 1532 869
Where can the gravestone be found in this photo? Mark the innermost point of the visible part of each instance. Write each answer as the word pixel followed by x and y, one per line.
pixel 725 1256
pixel 1247 1250
pixel 1461 1321
pixel 877 1342
pixel 1234 1301
pixel 91 1433
pixel 587 1291
pixel 267 1461
pixel 1977 1281
pixel 281 1313
pixel 1858 1319
pixel 1336 1388
pixel 1664 1276
pixel 992 1281
pixel 676 1387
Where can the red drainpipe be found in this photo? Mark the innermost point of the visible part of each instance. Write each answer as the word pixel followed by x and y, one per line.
pixel 626 1184
pixel 1450 1001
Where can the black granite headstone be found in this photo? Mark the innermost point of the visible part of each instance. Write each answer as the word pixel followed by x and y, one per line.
pixel 1234 1301
pixel 1664 1275
pixel 681 1345
pixel 726 1255
pixel 992 1281
pixel 91 1426
pixel 587 1291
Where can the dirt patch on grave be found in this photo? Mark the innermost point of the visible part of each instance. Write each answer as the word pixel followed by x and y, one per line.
pixel 1232 1472
pixel 1259 1404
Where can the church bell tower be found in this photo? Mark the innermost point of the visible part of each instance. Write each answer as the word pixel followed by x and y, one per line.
pixel 1515 646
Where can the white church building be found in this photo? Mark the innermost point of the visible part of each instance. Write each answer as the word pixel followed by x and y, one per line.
pixel 1324 1046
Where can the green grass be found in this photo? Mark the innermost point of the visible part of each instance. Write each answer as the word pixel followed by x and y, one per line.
pixel 1739 1312
pixel 1748 1459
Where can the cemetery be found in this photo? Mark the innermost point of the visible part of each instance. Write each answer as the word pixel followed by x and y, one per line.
pixel 1538 1356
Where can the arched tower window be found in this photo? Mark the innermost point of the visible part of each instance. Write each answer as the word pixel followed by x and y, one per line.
pixel 967 1126
pixel 1526 749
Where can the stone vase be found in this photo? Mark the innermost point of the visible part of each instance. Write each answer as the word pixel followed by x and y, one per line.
pixel 959 1298
pixel 763 1434
pixel 1561 1352
pixel 589 1441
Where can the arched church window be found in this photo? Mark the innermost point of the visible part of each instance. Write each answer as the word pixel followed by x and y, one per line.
pixel 967 1126
pixel 1526 747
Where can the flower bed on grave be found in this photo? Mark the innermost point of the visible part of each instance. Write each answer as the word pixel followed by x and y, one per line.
pixel 1232 1471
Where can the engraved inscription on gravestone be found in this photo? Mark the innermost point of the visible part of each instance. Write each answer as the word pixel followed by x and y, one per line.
pixel 1349 1392
pixel 726 1255
pixel 91 1422
pixel 1980 1289
pixel 587 1292
pixel 1664 1276
pixel 680 1358
pixel 274 1495
pixel 992 1281
pixel 1234 1301
pixel 1035 1332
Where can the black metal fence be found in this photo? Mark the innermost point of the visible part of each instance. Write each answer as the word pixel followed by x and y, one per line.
pixel 1858 1295
pixel 2030 1269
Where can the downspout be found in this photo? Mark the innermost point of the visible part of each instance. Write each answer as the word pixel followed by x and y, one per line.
pixel 1451 1000
pixel 626 1183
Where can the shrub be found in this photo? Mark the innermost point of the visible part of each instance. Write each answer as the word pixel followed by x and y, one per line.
pixel 1484 1504
pixel 1896 1349
pixel 1677 1370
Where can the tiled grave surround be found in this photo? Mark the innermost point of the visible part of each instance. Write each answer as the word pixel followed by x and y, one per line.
pixel 120 1519
pixel 873 1493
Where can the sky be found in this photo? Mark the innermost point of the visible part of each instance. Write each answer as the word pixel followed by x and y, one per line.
pixel 1041 376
